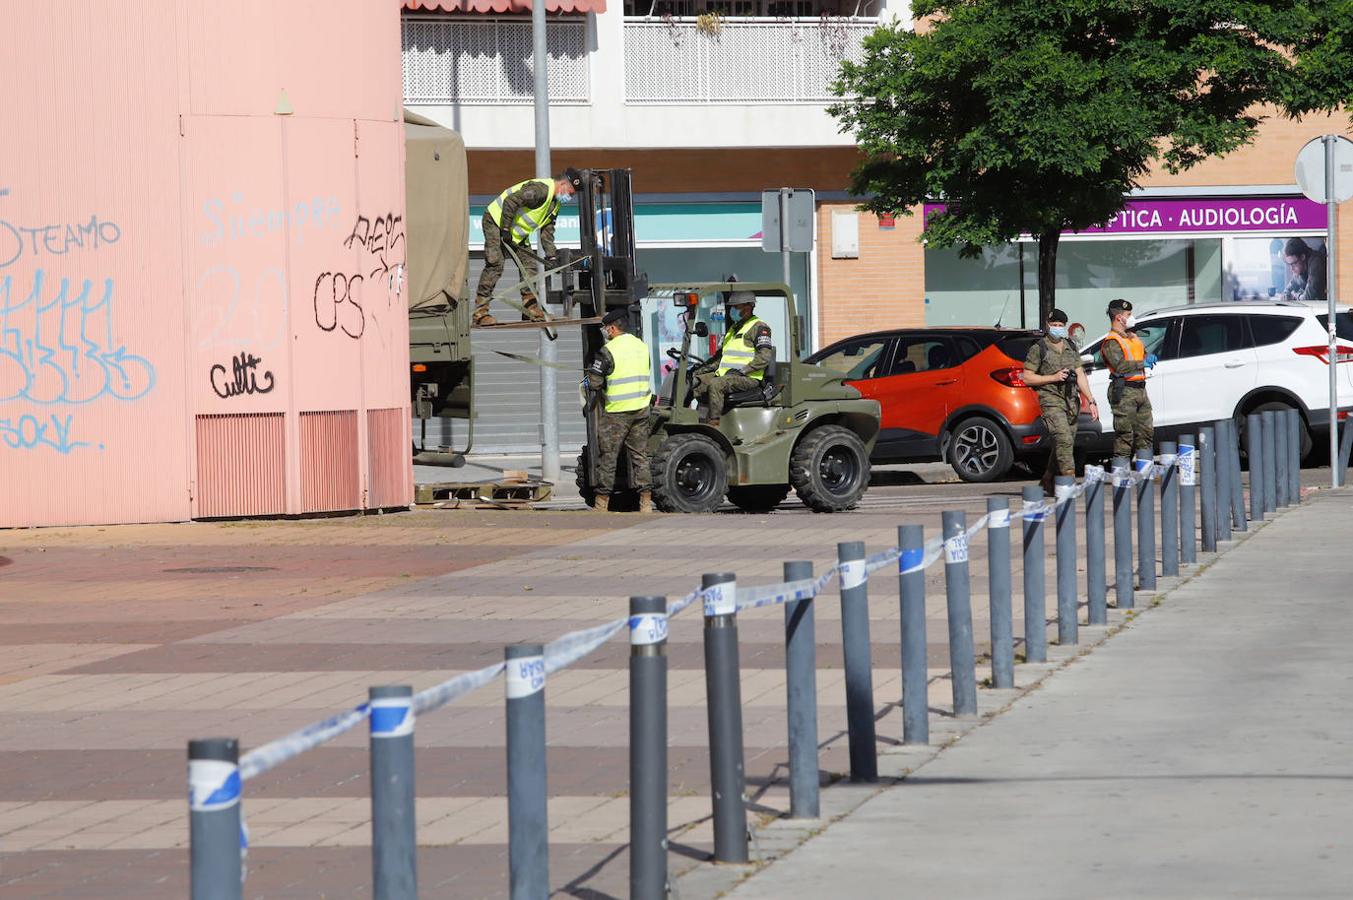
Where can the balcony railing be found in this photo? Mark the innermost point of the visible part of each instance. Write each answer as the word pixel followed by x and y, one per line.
pixel 487 61
pixel 743 61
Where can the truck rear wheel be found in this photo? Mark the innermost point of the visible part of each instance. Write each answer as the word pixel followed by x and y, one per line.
pixel 830 469
pixel 689 474
pixel 757 498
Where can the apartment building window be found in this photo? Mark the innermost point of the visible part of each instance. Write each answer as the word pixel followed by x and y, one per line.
pixel 758 9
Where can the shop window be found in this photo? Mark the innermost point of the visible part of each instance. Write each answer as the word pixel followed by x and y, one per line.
pixel 1205 335
pixel 983 290
pixel 1275 268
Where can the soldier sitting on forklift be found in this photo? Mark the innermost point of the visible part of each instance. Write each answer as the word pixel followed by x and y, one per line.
pixel 622 370
pixel 509 221
pixel 740 364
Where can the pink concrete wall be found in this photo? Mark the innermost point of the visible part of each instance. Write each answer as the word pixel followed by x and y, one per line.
pixel 178 259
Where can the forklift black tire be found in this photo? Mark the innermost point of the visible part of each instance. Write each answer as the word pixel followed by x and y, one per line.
pixel 830 469
pixel 757 498
pixel 621 501
pixel 689 475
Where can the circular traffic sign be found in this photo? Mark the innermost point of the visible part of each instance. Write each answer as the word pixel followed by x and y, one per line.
pixel 1311 169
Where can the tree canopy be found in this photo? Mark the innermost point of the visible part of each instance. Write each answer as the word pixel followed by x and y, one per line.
pixel 1038 117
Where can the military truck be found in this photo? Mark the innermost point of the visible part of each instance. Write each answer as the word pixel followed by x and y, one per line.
pixel 802 430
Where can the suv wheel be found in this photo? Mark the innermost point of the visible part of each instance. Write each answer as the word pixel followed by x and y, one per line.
pixel 829 469
pixel 979 450
pixel 689 474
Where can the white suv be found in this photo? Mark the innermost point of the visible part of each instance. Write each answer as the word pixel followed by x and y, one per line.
pixel 1231 359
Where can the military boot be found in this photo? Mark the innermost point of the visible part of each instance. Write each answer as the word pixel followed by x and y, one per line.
pixel 531 311
pixel 602 503
pixel 481 317
pixel 645 501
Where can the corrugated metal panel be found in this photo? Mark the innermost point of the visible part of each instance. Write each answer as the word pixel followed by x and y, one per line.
pixel 240 465
pixel 330 472
pixel 391 478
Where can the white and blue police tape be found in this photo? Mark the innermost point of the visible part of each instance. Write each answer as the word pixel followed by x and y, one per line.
pixel 774 594
pixel 213 784
pixel 1095 475
pixel 648 628
pixel 392 717
pixel 916 560
pixel 439 695
pixel 876 561
pixel 721 599
pixel 525 676
pixel 274 753
pixel 1187 461
pixel 565 651
pixel 853 573
pixel 678 606
pixel 956 549
pixel 1033 511
pixel 999 518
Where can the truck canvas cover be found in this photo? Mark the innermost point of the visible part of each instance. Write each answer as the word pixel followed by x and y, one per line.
pixel 438 213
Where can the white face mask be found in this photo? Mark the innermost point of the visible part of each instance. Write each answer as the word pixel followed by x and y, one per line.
pixel 1130 321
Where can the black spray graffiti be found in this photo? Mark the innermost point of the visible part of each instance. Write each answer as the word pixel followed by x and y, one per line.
pixel 335 305
pixel 338 296
pixel 383 240
pixel 244 377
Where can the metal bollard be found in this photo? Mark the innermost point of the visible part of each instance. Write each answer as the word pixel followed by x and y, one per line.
pixel 801 691
pixel 1345 451
pixel 1254 449
pixel 1281 446
pixel 1146 522
pixel 723 693
pixel 858 668
pixel 528 827
pixel 1223 477
pixel 1122 533
pixel 1169 509
pixel 1238 519
pixel 1294 456
pixel 1266 421
pixel 1096 584
pixel 999 593
pixel 1064 525
pixel 1035 600
pixel 1207 463
pixel 648 748
pixel 1187 466
pixel 215 839
pixel 911 588
pixel 394 848
pixel 958 595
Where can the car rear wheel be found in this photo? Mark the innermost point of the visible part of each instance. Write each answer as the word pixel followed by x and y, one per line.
pixel 979 450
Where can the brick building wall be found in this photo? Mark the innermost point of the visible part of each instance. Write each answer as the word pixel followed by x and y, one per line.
pixel 883 288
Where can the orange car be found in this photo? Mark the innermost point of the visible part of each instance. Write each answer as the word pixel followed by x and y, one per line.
pixel 952 394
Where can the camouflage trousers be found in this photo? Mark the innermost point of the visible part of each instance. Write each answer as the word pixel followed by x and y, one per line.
pixel 1133 426
pixel 629 430
pixel 1060 420
pixel 495 260
pixel 714 389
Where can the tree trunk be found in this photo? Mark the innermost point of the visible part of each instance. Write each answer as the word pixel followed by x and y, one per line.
pixel 1047 274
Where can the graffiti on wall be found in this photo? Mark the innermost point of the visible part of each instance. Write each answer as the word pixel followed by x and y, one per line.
pixel 58 343
pixel 343 299
pixel 244 377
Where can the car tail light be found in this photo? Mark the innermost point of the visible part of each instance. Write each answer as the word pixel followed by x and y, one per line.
pixel 1322 352
pixel 1032 438
pixel 1012 376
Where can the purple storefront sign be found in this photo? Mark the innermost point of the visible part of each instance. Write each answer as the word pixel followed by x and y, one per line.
pixel 1207 215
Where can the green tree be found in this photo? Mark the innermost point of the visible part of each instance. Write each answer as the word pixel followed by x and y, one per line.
pixel 1038 116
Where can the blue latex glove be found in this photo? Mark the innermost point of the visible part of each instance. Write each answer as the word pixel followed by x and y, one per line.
pixel 1151 360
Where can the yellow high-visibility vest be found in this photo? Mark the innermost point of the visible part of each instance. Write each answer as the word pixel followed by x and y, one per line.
pixel 530 218
pixel 627 387
pixel 734 352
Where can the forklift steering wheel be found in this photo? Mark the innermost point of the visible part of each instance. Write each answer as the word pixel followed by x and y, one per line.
pixel 675 354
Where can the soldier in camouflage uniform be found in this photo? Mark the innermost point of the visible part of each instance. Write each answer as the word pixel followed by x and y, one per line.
pixel 621 370
pixel 1128 362
pixel 1053 369
pixel 740 364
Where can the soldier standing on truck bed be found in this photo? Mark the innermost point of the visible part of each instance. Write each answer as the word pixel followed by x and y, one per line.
pixel 622 368
pixel 509 221
pixel 1053 369
pixel 740 364
pixel 1127 359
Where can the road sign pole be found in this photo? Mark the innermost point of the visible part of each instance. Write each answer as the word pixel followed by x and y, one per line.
pixel 1332 260
pixel 784 234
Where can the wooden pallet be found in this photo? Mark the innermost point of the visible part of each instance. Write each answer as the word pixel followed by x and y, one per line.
pixel 509 494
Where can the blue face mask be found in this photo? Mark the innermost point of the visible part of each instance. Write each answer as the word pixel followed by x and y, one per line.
pixel 1057 331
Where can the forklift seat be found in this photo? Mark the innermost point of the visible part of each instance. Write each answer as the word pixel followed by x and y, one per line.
pixel 761 396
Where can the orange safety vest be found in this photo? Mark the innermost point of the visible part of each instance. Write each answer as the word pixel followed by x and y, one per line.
pixel 1133 349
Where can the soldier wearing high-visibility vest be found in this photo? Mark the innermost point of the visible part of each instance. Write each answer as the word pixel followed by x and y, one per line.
pixel 740 364
pixel 525 208
pixel 621 371
pixel 1128 362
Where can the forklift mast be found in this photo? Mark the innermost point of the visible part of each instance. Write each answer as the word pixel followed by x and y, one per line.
pixel 608 277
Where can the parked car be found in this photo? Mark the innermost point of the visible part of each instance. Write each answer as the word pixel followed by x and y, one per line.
pixel 952 394
pixel 1231 359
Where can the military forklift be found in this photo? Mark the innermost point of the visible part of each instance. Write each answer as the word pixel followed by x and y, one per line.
pixel 801 429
